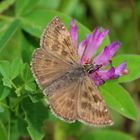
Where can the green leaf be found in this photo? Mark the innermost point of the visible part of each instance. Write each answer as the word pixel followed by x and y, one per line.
pixel 1 108
pixel 15 67
pixel 5 115
pixel 68 6
pixel 5 71
pixel 34 23
pixel 26 73
pixel 13 47
pixel 28 79
pixel 133 66
pixel 9 33
pixel 4 92
pixel 3 132
pixel 5 5
pixel 49 4
pixel 26 49
pixel 24 7
pixel 30 86
pixel 63 127
pixel 18 129
pixel 119 100
pixel 105 135
pixel 14 133
pixel 21 126
pixel 10 70
pixel 4 24
pixel 35 115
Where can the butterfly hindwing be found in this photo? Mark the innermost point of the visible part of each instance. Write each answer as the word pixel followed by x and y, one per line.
pixel 91 108
pixel 63 102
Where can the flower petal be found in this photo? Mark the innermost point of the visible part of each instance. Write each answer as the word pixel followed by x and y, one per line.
pixel 107 75
pixel 121 69
pixel 100 76
pixel 106 55
pixel 103 58
pixel 83 45
pixel 96 78
pixel 73 32
pixel 114 47
pixel 94 42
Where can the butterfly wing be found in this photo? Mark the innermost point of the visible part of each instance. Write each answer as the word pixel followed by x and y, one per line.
pixel 63 102
pixel 91 108
pixel 56 40
pixel 47 68
pixel 56 56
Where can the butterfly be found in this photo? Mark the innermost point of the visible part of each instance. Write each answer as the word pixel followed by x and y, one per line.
pixel 71 94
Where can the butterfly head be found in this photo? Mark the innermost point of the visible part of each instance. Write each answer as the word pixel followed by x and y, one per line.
pixel 90 68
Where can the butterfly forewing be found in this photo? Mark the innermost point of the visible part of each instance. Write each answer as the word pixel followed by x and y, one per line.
pixel 56 56
pixel 91 108
pixel 56 40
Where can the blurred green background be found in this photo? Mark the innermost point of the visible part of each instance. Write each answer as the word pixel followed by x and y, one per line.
pixel 121 17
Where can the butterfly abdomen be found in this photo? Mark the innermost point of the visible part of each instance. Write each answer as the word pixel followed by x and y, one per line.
pixel 65 80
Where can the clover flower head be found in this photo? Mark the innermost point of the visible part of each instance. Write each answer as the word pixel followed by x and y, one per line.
pixel 87 52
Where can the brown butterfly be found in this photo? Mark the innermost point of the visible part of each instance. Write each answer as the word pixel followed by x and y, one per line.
pixel 72 95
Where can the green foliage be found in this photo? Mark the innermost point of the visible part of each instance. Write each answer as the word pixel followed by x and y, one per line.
pixel 23 109
pixel 3 134
pixel 5 4
pixel 133 65
pixel 25 7
pixel 35 115
pixel 5 91
pixel 34 23
pixel 8 33
pixel 119 99
pixel 107 134
pixel 8 71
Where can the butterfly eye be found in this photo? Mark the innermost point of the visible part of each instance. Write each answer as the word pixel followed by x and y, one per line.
pixel 97 67
pixel 91 71
pixel 89 68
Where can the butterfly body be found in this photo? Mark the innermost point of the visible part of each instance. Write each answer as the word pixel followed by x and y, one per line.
pixel 71 94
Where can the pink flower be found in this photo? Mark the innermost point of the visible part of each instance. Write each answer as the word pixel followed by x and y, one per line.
pixel 87 49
